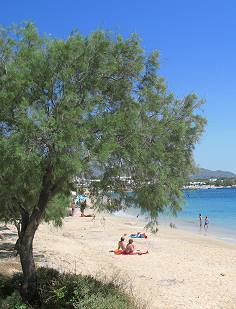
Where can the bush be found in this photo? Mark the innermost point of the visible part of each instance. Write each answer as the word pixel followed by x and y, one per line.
pixel 13 302
pixel 76 291
pixel 70 291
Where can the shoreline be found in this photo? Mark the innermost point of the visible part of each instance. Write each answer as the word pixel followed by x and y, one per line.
pixel 188 232
pixel 207 187
pixel 189 225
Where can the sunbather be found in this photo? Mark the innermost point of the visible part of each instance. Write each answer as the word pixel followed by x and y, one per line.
pixel 138 235
pixel 130 247
pixel 129 250
pixel 121 244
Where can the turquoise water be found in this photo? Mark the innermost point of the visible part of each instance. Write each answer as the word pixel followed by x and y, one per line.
pixel 220 207
pixel 218 204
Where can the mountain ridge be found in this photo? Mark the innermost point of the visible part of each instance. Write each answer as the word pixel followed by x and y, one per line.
pixel 203 173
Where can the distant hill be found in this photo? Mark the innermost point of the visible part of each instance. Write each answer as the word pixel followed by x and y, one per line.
pixel 203 173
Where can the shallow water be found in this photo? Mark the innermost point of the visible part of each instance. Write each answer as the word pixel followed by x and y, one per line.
pixel 218 204
pixel 220 207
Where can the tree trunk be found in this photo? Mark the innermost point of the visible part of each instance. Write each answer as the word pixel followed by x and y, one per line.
pixel 29 226
pixel 29 287
pixel 21 227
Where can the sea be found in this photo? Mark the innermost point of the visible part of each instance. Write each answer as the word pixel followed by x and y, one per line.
pixel 219 205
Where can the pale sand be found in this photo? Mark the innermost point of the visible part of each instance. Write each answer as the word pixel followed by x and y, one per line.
pixel 183 269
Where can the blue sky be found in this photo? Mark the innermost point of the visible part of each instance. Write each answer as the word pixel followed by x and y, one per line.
pixel 196 40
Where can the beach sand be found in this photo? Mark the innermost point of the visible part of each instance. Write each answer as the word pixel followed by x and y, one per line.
pixel 182 270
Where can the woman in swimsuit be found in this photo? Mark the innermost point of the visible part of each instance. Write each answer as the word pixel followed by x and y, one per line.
pixel 121 244
pixel 129 250
pixel 200 220
pixel 130 247
pixel 206 223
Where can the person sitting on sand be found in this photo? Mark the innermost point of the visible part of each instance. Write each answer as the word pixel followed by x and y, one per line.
pixel 129 250
pixel 130 247
pixel 121 244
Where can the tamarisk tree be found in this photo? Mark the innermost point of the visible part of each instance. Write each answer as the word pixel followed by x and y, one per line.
pixel 70 107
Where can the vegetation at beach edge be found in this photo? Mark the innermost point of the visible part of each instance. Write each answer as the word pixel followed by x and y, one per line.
pixel 65 290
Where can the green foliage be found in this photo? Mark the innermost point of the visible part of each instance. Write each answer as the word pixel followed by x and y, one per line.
pixel 70 107
pixel 13 302
pixel 8 285
pixel 225 182
pixel 70 291
pixel 57 209
pixel 77 291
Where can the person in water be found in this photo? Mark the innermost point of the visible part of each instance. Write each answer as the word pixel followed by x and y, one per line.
pixel 206 223
pixel 200 220
pixel 121 244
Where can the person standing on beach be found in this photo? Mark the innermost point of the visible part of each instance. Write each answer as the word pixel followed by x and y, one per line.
pixel 200 220
pixel 73 208
pixel 206 223
pixel 81 203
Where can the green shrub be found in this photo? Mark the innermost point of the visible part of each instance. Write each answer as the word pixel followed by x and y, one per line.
pixel 67 291
pixel 60 291
pixel 13 302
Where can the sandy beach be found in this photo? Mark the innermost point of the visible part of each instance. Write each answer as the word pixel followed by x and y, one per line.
pixel 182 270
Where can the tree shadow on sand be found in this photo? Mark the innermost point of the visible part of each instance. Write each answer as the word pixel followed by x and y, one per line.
pixel 9 235
pixel 6 250
pixel 4 228
pixel 6 233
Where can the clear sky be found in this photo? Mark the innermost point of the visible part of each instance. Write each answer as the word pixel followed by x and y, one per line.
pixel 196 39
